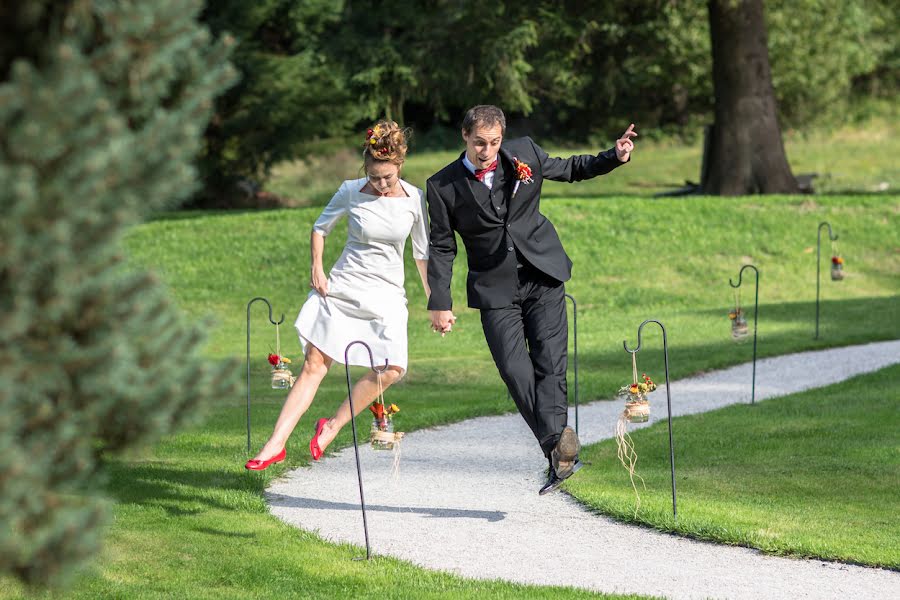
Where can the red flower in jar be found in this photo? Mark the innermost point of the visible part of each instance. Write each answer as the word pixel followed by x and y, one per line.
pixel 377 410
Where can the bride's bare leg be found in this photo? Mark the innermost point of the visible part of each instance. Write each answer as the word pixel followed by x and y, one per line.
pixel 364 392
pixel 315 367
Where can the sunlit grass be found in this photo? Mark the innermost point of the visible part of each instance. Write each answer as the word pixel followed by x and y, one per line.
pixel 812 474
pixel 191 523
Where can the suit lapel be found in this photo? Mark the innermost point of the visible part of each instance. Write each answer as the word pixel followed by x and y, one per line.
pixel 512 179
pixel 508 168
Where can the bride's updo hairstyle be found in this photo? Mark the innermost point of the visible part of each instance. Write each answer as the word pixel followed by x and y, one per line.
pixel 385 141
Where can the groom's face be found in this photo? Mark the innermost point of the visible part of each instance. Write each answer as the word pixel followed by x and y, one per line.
pixel 483 144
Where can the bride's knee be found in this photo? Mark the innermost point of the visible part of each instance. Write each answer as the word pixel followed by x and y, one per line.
pixel 316 363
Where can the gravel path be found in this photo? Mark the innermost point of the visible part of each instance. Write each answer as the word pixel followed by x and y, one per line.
pixel 452 511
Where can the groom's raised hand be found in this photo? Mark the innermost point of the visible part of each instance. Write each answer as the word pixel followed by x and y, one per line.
pixel 442 320
pixel 624 145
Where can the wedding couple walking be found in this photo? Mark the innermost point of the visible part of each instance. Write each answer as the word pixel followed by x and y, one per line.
pixel 517 269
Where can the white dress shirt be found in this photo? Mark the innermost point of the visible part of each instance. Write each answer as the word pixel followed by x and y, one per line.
pixel 488 177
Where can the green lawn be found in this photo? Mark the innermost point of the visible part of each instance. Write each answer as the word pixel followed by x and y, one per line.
pixel 190 522
pixel 812 474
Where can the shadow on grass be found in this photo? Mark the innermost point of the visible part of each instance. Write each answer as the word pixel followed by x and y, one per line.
pixel 228 534
pixel 178 491
pixel 804 313
pixel 889 193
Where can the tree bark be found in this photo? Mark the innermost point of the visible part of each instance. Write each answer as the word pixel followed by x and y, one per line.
pixel 746 154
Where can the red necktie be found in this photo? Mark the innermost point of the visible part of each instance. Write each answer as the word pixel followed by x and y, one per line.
pixel 480 173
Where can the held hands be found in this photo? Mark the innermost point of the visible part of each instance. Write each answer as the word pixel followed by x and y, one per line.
pixel 624 145
pixel 318 281
pixel 442 320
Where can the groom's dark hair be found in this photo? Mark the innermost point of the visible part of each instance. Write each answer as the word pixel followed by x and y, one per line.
pixel 486 115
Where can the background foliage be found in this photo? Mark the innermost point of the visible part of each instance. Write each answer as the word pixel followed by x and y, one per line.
pixel 572 72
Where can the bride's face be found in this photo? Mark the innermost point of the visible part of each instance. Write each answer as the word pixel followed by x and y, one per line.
pixel 384 176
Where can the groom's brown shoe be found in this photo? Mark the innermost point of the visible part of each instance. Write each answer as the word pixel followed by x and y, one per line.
pixel 565 456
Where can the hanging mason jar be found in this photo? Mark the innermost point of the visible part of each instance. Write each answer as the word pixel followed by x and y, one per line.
pixel 637 411
pixel 383 436
pixel 739 327
pixel 837 268
pixel 382 433
pixel 637 407
pixel 282 378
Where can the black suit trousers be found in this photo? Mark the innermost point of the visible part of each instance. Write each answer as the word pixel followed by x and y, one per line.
pixel 529 342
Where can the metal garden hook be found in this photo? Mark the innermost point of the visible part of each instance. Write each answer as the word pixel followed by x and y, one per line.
pixel 362 500
pixel 755 319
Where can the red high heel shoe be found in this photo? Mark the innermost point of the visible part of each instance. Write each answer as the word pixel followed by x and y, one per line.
pixel 314 442
pixel 262 465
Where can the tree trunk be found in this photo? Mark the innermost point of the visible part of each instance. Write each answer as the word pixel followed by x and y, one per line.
pixel 746 153
pixel 393 110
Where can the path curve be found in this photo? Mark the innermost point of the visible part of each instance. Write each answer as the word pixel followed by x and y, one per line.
pixel 485 520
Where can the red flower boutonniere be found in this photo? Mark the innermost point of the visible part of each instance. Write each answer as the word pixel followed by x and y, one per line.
pixel 523 174
pixel 523 171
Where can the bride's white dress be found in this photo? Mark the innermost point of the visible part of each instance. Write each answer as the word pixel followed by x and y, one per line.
pixel 366 300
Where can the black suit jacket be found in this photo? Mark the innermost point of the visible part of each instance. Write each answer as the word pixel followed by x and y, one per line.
pixel 489 240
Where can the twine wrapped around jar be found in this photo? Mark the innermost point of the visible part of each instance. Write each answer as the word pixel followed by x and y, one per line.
pixel 282 378
pixel 637 412
pixel 385 439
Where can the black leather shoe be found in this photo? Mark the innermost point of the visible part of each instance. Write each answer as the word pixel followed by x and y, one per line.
pixel 552 483
pixel 564 456
pixel 554 480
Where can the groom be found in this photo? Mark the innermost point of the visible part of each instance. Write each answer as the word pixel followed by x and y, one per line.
pixel 491 196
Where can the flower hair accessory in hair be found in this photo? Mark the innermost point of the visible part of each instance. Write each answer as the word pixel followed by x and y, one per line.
pixel 372 134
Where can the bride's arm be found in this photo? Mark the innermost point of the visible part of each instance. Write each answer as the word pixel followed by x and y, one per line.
pixel 337 207
pixel 422 266
pixel 317 278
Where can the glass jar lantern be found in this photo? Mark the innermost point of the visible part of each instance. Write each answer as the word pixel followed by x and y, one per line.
pixel 382 433
pixel 281 377
pixel 739 327
pixel 837 271
pixel 637 411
